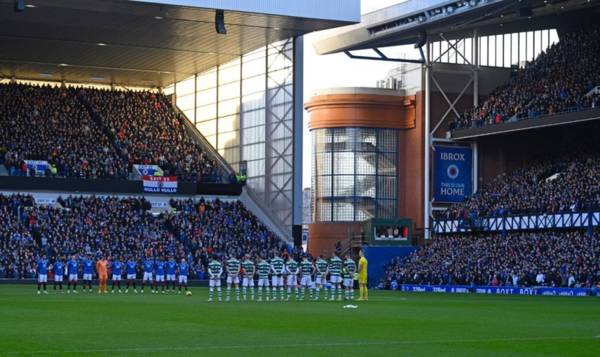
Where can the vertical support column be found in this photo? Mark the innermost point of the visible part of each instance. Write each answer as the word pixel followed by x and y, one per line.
pixel 298 126
pixel 427 141
pixel 475 48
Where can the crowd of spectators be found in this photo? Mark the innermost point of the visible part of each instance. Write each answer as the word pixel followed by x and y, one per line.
pixel 48 123
pixel 550 258
pixel 148 131
pixel 556 81
pixel 92 133
pixel 568 183
pixel 125 227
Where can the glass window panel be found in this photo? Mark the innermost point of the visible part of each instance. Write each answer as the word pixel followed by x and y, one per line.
pixel 229 107
pixel 324 186
pixel 253 85
pixel 206 97
pixel 343 186
pixel 206 112
pixel 229 91
pixel 185 86
pixel 253 135
pixel 207 79
pixel 506 50
pixel 468 53
pixel 386 187
pixel 545 39
pixel 231 155
pixel 185 102
pixel 229 72
pixel 553 36
pixel 365 186
pixel 256 167
pixel 253 118
pixel 365 163
pixel 365 209
pixel 253 101
pixel 343 211
pixel 207 128
pixel 483 45
pixel 323 163
pixel 229 123
pixel 254 68
pixel 343 163
pixel 323 211
pixel 522 48
pixel 529 46
pixel 212 139
pixel 253 152
pixel 386 164
pixel 386 208
pixel 168 90
pixel 514 50
pixel 229 139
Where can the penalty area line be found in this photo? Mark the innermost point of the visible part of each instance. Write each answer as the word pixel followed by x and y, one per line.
pixel 296 345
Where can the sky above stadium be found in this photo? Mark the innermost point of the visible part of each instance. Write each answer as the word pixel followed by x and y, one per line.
pixel 337 70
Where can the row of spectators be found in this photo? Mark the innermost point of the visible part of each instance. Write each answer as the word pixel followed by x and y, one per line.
pixel 566 184
pixel 124 227
pixel 551 258
pixel 48 123
pixel 91 133
pixel 556 81
pixel 148 131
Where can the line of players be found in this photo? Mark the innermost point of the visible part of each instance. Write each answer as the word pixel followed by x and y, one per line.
pixel 154 274
pixel 284 276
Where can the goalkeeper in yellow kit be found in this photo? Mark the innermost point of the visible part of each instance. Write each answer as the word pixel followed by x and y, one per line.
pixel 362 277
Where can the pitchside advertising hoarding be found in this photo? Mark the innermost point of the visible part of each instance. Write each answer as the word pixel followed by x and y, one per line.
pixel 453 169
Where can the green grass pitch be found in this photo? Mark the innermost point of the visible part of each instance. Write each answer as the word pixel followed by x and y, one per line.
pixel 390 324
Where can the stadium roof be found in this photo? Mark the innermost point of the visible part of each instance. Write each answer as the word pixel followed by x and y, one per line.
pixel 148 43
pixel 408 22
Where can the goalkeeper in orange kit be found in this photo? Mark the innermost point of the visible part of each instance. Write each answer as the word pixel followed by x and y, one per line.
pixel 102 269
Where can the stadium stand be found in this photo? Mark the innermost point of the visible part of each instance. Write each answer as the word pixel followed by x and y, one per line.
pixel 48 123
pixel 125 227
pixel 560 80
pixel 550 258
pixel 568 183
pixel 147 131
pixel 91 133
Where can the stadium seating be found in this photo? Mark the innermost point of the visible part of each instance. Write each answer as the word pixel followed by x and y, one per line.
pixel 123 227
pixel 556 81
pixel 551 258
pixel 567 183
pixel 48 123
pixel 91 133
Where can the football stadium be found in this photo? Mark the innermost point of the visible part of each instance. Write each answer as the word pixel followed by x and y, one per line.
pixel 154 197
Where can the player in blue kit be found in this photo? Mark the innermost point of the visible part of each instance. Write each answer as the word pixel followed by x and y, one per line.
pixel 88 270
pixel 171 270
pixel 131 266
pixel 59 271
pixel 148 270
pixel 183 274
pixel 72 266
pixel 117 270
pixel 160 275
pixel 42 271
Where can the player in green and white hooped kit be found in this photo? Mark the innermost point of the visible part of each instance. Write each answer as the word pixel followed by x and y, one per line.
pixel 307 269
pixel 291 268
pixel 263 268
pixel 335 271
pixel 248 280
pixel 233 277
pixel 349 270
pixel 215 269
pixel 277 266
pixel 321 276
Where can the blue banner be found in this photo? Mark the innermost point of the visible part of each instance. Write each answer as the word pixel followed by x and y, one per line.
pixel 499 290
pixel 453 173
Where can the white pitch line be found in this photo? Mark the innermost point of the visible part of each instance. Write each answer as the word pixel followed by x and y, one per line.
pixel 294 345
